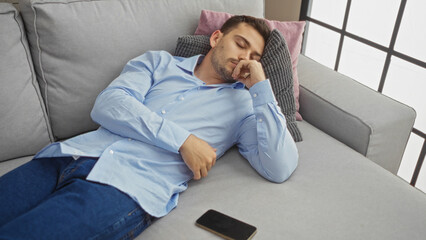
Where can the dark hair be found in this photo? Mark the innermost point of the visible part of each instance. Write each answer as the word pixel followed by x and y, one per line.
pixel 257 23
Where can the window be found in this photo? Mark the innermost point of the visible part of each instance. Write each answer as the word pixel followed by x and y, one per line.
pixel 324 49
pixel 384 38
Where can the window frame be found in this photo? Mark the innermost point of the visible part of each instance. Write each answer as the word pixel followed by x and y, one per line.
pixel 305 12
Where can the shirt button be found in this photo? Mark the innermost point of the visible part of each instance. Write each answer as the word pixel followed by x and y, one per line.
pixel 163 111
pixel 260 120
pixel 129 139
pixel 111 152
pixel 181 98
pixel 255 95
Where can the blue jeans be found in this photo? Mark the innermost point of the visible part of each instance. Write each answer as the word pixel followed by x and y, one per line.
pixel 50 198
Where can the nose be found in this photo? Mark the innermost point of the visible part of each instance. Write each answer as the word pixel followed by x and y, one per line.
pixel 244 55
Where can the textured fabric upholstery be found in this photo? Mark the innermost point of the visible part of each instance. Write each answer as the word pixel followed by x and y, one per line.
pixel 343 108
pixel 23 121
pixel 278 68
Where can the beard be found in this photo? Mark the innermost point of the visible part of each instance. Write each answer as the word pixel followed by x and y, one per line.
pixel 219 65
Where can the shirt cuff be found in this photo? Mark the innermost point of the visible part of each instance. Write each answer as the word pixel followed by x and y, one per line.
pixel 261 93
pixel 172 137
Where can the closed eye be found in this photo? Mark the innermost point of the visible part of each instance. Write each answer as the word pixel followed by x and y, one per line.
pixel 239 45
pixel 243 43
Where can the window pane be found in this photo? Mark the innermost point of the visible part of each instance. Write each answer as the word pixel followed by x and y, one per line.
pixel 421 180
pixel 362 62
pixel 329 11
pixel 412 32
pixel 373 20
pixel 411 155
pixel 322 44
pixel 406 82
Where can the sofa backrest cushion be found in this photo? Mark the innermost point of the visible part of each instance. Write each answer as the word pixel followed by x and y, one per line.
pixel 79 47
pixel 23 122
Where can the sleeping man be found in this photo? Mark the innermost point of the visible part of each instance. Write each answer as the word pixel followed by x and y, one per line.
pixel 163 121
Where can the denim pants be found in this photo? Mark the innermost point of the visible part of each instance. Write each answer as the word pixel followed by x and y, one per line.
pixel 50 198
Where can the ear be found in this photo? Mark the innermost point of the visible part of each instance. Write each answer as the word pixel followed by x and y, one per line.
pixel 215 38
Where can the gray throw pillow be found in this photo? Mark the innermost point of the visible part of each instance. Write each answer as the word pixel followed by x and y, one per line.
pixel 276 62
pixel 191 45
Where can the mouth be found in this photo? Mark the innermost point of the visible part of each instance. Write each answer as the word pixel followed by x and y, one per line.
pixel 234 63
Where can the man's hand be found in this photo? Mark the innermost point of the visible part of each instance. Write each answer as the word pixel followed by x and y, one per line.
pixel 249 72
pixel 198 155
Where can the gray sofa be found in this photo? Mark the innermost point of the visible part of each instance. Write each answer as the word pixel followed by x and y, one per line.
pixel 55 61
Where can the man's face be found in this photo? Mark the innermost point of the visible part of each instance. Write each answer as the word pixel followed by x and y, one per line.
pixel 241 43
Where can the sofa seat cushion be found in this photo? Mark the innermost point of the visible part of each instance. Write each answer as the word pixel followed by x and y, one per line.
pixel 23 121
pixel 335 193
pixel 8 166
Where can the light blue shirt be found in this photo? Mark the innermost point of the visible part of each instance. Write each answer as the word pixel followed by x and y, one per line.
pixel 147 113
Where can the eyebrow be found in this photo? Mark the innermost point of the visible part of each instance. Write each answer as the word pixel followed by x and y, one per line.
pixel 248 44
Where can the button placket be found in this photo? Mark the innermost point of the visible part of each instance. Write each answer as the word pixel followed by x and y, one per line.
pixel 169 107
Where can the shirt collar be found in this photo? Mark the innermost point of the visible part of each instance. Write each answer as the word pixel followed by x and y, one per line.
pixel 189 64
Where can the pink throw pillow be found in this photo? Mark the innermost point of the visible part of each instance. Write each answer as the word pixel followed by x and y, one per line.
pixel 211 21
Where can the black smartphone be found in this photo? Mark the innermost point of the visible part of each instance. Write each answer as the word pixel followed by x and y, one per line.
pixel 225 226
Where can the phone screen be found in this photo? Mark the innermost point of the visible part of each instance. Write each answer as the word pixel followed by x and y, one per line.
pixel 225 226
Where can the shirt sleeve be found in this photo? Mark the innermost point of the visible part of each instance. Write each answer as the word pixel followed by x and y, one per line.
pixel 120 107
pixel 263 138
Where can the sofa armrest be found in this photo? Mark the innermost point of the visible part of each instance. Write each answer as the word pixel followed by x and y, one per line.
pixel 369 122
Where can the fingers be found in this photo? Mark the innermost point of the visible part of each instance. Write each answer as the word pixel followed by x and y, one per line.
pixel 197 175
pixel 198 155
pixel 242 69
pixel 249 69
pixel 214 159
pixel 205 168
pixel 204 172
pixel 200 173
pixel 249 72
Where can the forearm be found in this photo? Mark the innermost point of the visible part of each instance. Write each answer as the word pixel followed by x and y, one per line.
pixel 121 113
pixel 274 154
